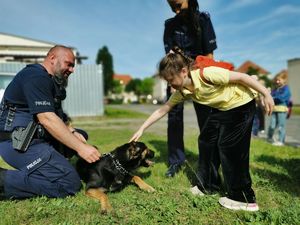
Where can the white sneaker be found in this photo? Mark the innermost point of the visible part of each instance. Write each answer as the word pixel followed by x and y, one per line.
pixel 277 143
pixel 236 205
pixel 195 191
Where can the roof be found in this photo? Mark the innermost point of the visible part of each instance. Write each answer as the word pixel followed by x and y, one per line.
pixel 14 40
pixel 18 48
pixel 244 68
pixel 124 78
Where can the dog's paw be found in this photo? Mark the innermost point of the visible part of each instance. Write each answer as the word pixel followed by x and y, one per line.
pixel 149 189
pixel 106 210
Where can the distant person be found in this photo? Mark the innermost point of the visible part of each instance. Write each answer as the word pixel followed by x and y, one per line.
pixel 193 32
pixel 30 114
pixel 281 95
pixel 259 118
pixel 227 127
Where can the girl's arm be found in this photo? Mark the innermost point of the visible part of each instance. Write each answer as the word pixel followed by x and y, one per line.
pixel 248 81
pixel 155 116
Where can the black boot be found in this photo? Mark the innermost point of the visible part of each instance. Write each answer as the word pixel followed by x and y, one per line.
pixel 172 170
pixel 2 174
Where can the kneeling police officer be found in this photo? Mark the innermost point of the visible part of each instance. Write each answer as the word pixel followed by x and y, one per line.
pixel 30 117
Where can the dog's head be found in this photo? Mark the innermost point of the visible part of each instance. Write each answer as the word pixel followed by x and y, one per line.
pixel 134 154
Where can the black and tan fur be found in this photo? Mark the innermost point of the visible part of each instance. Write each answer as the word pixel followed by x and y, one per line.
pixel 113 171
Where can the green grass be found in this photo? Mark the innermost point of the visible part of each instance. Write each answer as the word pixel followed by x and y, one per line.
pixel 296 110
pixel 111 112
pixel 275 173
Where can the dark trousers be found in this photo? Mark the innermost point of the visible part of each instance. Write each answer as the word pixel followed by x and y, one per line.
pixel 175 129
pixel 40 171
pixel 225 139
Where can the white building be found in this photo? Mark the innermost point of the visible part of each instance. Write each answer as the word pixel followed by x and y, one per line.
pixel 294 79
pixel 85 89
pixel 21 49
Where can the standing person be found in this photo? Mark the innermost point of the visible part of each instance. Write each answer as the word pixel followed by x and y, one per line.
pixel 227 127
pixel 281 95
pixel 28 112
pixel 191 31
pixel 259 118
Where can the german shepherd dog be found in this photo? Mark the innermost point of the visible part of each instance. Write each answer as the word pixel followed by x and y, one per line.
pixel 113 171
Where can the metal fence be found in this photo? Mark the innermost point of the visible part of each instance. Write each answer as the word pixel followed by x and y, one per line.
pixel 85 95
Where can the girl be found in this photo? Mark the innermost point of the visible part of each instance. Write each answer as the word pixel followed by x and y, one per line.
pixel 226 133
pixel 281 95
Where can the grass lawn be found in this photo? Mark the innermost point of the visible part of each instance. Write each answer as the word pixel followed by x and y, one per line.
pixel 275 172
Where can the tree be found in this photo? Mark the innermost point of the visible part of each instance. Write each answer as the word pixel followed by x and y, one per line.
pixel 147 86
pixel 106 60
pixel 252 71
pixel 134 85
pixel 117 87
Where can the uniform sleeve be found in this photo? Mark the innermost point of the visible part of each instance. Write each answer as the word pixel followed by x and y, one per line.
pixel 176 98
pixel 39 96
pixel 216 75
pixel 209 41
pixel 167 38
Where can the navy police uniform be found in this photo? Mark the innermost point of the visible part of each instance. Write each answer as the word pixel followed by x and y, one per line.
pixel 41 170
pixel 177 33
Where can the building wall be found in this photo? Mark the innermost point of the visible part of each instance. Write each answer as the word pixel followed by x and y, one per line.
pixel 294 79
pixel 159 89
pixel 84 92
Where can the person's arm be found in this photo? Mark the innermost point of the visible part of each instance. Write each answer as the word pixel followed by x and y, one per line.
pixel 155 116
pixel 56 127
pixel 248 81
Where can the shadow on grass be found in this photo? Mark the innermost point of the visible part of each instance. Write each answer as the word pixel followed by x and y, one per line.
pixel 289 181
pixel 190 165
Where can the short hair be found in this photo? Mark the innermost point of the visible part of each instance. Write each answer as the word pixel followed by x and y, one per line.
pixel 57 48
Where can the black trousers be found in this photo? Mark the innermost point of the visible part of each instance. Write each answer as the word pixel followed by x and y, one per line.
pixel 225 140
pixel 176 153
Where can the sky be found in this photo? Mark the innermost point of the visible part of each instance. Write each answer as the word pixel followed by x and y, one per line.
pixel 267 32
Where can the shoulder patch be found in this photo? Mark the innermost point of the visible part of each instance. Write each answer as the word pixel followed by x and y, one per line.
pixel 205 14
pixel 168 21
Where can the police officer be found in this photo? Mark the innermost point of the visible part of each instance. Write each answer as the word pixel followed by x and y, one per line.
pixel 27 112
pixel 191 31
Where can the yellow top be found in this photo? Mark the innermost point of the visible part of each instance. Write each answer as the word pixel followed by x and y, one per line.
pixel 220 94
pixel 280 108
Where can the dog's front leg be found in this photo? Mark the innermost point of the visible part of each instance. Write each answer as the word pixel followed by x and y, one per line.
pixel 99 194
pixel 142 184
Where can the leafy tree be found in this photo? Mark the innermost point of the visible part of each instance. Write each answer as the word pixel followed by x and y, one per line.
pixel 117 87
pixel 147 86
pixel 134 85
pixel 106 60
pixel 252 71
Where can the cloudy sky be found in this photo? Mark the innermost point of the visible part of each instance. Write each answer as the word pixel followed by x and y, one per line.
pixel 266 32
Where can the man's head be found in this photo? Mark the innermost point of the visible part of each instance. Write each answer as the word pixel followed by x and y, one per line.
pixel 60 62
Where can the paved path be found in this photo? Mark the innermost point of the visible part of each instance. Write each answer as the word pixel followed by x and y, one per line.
pixel 190 121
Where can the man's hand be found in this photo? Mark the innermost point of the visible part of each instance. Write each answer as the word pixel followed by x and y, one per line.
pixel 89 153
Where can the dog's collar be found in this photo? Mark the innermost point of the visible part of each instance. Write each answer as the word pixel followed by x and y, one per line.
pixel 117 164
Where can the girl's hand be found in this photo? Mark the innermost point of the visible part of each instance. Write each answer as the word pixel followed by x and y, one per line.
pixel 268 103
pixel 136 136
